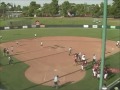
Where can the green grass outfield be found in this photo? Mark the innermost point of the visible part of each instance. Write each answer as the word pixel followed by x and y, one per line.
pixel 59 21
pixel 12 76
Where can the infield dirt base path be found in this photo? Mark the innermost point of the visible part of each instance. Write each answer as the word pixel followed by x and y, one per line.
pixel 52 58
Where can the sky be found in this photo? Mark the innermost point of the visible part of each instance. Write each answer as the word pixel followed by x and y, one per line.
pixel 27 2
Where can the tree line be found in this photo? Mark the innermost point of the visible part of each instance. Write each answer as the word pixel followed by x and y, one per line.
pixel 65 9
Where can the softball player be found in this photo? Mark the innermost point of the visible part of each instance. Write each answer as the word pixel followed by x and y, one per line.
pixel 94 59
pixel 70 50
pixel 82 66
pixel 94 72
pixel 17 42
pixel 7 52
pixel 41 43
pixel 118 43
pixel 10 60
pixel 84 59
pixel 35 35
pixel 75 58
pixel 79 56
pixel 56 81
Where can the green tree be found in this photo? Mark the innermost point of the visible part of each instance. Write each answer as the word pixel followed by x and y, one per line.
pixel 110 11
pixel 116 8
pixel 46 10
pixel 101 9
pixel 32 8
pixel 38 12
pixel 9 6
pixel 18 8
pixel 3 8
pixel 25 11
pixel 80 10
pixel 72 9
pixel 96 11
pixel 65 7
pixel 54 7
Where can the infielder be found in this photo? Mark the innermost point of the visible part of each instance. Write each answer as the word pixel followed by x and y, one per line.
pixel 94 59
pixel 82 66
pixel 84 59
pixel 7 52
pixel 41 43
pixel 75 58
pixel 17 43
pixel 56 81
pixel 79 56
pixel 70 50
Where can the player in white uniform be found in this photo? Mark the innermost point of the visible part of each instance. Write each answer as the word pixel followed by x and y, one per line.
pixel 56 81
pixel 41 43
pixel 118 43
pixel 84 59
pixel 70 50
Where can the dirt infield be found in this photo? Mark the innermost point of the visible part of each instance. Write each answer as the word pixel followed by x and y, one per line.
pixel 52 58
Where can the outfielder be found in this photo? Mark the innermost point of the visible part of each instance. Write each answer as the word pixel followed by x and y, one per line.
pixel 118 43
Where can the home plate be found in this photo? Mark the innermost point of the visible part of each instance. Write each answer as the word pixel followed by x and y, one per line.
pixel 112 48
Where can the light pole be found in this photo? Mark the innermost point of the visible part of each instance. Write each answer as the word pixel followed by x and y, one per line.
pixel 103 44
